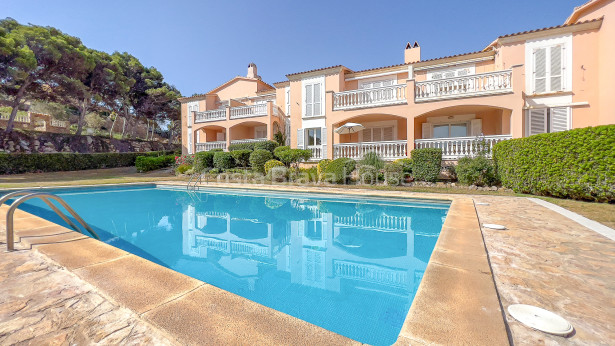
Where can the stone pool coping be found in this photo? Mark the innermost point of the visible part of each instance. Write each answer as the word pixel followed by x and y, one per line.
pixel 456 301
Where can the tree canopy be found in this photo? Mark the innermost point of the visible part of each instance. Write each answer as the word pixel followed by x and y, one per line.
pixel 43 63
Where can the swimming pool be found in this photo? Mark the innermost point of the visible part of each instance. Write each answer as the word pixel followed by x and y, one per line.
pixel 348 264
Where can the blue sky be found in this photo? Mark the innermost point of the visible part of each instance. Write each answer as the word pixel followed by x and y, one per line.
pixel 198 45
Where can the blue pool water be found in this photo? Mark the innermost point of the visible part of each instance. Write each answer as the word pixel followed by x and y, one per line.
pixel 350 265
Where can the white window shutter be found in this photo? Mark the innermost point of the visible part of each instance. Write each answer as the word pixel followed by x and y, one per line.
pixel 555 68
pixel 317 103
pixel 476 127
pixel 560 119
pixel 308 100
pixel 387 133
pixel 540 70
pixel 367 135
pixel 537 121
pixel 427 130
pixel 300 139
pixel 323 141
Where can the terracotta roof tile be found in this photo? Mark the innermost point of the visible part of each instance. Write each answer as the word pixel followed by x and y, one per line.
pixel 380 68
pixel 315 70
pixel 551 27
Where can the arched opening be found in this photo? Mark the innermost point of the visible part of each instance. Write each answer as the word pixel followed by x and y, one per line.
pixel 384 134
pixel 462 130
pixel 248 131
pixel 210 137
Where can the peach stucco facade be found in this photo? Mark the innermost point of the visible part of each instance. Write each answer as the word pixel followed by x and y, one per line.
pixel 544 80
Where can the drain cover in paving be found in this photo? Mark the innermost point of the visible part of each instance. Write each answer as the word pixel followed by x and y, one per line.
pixel 540 319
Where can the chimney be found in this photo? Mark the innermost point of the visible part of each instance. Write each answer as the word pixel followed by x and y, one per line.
pixel 412 53
pixel 252 71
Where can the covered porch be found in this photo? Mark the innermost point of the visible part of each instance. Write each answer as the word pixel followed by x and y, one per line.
pixel 210 137
pixel 462 130
pixel 252 131
pixel 384 134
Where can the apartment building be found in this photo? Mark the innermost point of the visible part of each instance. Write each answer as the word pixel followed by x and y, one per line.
pixel 544 80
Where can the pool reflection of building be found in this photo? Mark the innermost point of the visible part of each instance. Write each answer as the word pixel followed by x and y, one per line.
pixel 331 250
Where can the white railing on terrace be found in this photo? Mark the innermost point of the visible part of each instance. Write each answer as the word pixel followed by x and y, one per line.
pixel 207 146
pixel 249 111
pixel 317 152
pixel 468 86
pixel 249 140
pixel 457 147
pixel 386 150
pixel 18 118
pixel 373 97
pixel 212 243
pixel 380 222
pixel 249 249
pixel 371 273
pixel 211 115
pixel 58 123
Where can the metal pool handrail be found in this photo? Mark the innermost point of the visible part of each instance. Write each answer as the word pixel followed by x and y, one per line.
pixel 45 198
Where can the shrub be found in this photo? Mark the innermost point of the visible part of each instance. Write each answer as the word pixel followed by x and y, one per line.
pixel 368 174
pixel 372 159
pixel 306 175
pixel 270 164
pixel 478 171
pixel 150 163
pixel 426 163
pixel 182 169
pixel 266 145
pixel 320 168
pixel 242 157
pixel 278 150
pixel 216 150
pixel 393 173
pixel 258 158
pixel 278 173
pixel 203 160
pixel 338 171
pixel 406 164
pixel 294 156
pixel 280 137
pixel 54 162
pixel 223 160
pixel 577 164
pixel 241 146
pixel 184 160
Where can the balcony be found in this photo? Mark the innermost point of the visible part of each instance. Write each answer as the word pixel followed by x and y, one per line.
pixel 207 146
pixel 212 115
pixel 458 147
pixel 482 84
pixel 389 150
pixel 371 273
pixel 249 111
pixel 366 98
pixel 317 152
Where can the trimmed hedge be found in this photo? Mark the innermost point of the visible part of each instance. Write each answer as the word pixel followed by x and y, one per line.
pixel 223 160
pixel 241 146
pixel 479 171
pixel 150 163
pixel 338 171
pixel 406 164
pixel 277 151
pixel 266 145
pixel 294 156
pixel 203 160
pixel 272 163
pixel 578 164
pixel 242 157
pixel 258 158
pixel 55 162
pixel 393 173
pixel 426 164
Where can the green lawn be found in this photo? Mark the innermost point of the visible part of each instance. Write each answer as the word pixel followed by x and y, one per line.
pixel 601 212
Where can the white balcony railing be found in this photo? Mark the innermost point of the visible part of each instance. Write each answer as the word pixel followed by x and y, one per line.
pixel 488 83
pixel 454 148
pixel 317 152
pixel 212 115
pixel 386 150
pixel 18 118
pixel 249 140
pixel 374 97
pixel 378 222
pixel 243 248
pixel 58 123
pixel 207 146
pixel 249 111
pixel 371 273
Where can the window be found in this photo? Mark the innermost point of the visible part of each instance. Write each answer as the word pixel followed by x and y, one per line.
pixel 260 132
pixel 450 130
pixel 548 69
pixel 313 104
pixel 287 101
pixel 378 134
pixel 313 136
pixel 546 120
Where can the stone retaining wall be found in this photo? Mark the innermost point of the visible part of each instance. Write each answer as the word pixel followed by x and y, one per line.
pixel 44 142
